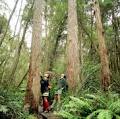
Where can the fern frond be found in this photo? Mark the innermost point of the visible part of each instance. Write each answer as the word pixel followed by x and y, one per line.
pixel 80 103
pixel 65 114
pixel 90 96
pixel 99 98
pixel 93 114
pixel 3 108
pixel 115 107
pixel 117 116
pixel 105 114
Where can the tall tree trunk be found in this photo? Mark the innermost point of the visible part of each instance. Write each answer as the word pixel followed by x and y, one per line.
pixel 73 62
pixel 4 35
pixel 116 41
pixel 18 50
pixel 105 72
pixel 17 54
pixel 46 52
pixel 33 85
pixel 18 18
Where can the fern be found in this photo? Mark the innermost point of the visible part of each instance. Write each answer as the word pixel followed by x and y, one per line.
pixel 105 114
pixel 65 114
pixel 117 116
pixel 90 96
pixel 93 114
pixel 3 109
pixel 80 103
pixel 98 98
pixel 115 107
pixel 101 106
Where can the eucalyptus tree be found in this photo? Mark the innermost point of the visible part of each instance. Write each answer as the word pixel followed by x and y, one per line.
pixel 33 85
pixel 73 61
pixel 105 71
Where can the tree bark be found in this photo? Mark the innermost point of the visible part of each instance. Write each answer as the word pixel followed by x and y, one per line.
pixel 33 85
pixel 116 53
pixel 73 62
pixel 105 72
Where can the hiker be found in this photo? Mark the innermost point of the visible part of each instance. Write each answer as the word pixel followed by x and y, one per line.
pixel 62 87
pixel 45 88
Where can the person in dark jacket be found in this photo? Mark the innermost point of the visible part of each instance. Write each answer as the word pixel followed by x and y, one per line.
pixel 45 87
pixel 44 83
pixel 62 87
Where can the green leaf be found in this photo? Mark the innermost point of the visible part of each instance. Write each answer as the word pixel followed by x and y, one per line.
pixel 105 114
pixel 93 114
pixel 80 103
pixel 3 108
pixel 117 116
pixel 65 114
pixel 108 2
pixel 115 107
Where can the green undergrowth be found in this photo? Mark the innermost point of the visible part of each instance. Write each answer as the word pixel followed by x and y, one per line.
pixel 91 106
pixel 11 104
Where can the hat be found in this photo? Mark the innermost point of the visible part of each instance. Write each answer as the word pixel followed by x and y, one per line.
pixel 46 94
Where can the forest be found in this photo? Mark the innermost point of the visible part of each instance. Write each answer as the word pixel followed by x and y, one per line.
pixel 59 59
